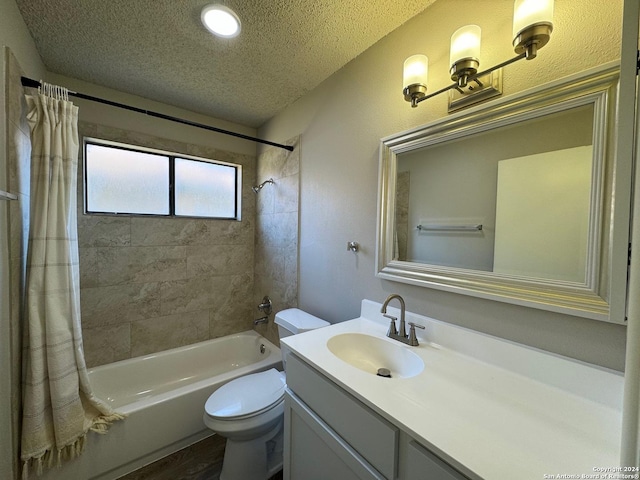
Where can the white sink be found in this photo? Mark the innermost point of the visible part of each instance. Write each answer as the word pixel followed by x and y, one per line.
pixel 369 353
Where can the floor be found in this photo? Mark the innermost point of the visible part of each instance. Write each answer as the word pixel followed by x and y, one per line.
pixel 201 461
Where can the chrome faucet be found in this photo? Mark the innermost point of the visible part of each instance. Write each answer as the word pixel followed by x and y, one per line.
pixel 392 327
pixel 400 335
pixel 264 319
pixel 266 305
pixel 266 308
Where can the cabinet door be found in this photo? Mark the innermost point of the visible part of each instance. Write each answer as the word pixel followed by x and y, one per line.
pixel 375 439
pixel 315 452
pixel 424 465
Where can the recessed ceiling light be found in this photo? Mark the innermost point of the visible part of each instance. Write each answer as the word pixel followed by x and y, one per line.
pixel 221 21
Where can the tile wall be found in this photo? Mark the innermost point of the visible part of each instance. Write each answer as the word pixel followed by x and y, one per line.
pixel 149 284
pixel 402 214
pixel 276 246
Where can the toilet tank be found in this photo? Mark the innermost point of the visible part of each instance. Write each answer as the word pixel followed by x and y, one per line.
pixel 293 321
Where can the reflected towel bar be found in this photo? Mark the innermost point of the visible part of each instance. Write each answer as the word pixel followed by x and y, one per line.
pixel 454 228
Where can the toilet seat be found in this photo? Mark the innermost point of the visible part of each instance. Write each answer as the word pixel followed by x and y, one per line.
pixel 247 396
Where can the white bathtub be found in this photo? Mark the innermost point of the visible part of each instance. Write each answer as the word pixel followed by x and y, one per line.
pixel 163 396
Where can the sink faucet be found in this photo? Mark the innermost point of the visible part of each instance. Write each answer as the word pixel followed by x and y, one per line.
pixel 383 310
pixel 400 335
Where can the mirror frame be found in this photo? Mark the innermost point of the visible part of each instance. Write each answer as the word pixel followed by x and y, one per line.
pixel 609 218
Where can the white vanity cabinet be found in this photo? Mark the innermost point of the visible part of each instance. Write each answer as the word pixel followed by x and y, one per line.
pixel 329 434
pixel 418 463
pixel 481 408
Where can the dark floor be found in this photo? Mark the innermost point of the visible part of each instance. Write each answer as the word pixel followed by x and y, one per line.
pixel 201 461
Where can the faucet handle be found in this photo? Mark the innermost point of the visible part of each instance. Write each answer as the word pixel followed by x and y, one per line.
pixel 413 340
pixel 392 326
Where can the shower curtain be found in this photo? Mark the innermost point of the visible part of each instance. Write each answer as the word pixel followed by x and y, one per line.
pixel 59 407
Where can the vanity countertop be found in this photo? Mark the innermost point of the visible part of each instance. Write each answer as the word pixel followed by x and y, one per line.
pixel 493 409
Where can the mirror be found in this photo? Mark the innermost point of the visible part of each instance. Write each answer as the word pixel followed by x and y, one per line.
pixel 510 201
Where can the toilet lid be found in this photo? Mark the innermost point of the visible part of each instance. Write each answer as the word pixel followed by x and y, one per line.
pixel 246 395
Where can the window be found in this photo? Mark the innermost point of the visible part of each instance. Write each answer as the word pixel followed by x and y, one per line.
pixel 123 179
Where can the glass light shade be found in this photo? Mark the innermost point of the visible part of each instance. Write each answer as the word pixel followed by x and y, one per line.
pixel 416 68
pixel 531 12
pixel 221 21
pixel 465 44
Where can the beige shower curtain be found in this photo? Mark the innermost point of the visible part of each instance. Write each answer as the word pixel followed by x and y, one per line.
pixel 58 404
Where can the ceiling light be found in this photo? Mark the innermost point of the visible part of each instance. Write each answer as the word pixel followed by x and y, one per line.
pixel 221 21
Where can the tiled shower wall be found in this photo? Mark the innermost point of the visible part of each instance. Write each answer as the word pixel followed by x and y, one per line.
pixel 403 184
pixel 276 264
pixel 149 284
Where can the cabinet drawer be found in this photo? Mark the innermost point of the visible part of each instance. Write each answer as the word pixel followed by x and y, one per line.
pixel 369 434
pixel 421 463
pixel 315 452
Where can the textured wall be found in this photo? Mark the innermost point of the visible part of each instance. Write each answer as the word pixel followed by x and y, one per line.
pixel 342 122
pixel 149 284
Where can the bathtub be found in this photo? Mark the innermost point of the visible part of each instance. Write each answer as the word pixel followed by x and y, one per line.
pixel 163 396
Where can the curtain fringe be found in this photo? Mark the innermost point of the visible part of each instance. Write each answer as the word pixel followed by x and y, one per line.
pixel 55 457
pixel 102 423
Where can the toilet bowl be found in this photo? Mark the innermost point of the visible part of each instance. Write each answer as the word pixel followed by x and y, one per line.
pixel 249 411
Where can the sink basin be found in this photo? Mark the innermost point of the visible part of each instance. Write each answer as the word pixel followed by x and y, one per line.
pixel 369 353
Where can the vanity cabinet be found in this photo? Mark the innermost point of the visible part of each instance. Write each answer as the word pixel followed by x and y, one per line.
pixel 420 464
pixel 315 452
pixel 331 434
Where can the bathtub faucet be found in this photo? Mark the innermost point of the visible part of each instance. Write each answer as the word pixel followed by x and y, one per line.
pixel 265 306
pixel 264 319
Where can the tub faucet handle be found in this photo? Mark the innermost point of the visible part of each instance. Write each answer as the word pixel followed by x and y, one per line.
pixel 265 306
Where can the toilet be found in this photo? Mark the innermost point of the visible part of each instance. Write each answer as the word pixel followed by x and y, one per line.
pixel 249 411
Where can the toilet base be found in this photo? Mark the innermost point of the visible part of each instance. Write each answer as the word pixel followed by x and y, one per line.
pixel 264 452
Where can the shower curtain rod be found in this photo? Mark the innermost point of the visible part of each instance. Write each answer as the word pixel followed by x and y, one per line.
pixel 28 82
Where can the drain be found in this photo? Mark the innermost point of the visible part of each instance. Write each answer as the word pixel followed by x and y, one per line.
pixel 384 372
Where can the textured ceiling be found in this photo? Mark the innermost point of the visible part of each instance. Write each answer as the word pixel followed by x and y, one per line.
pixel 158 49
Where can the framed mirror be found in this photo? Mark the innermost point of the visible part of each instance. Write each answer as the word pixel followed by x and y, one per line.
pixel 512 201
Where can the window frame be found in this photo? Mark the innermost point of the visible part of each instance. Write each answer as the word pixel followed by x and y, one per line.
pixel 170 188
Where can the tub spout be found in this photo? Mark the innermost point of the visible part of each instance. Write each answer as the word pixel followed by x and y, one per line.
pixel 264 319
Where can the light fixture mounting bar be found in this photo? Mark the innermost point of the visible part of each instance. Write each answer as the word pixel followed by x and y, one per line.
pixel 471 78
pixel 482 88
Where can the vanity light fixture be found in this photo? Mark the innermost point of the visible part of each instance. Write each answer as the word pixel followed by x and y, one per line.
pixel 221 21
pixel 532 27
pixel 464 55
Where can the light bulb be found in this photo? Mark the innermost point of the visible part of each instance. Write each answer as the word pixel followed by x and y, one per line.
pixel 221 21
pixel 416 68
pixel 465 44
pixel 414 78
pixel 532 25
